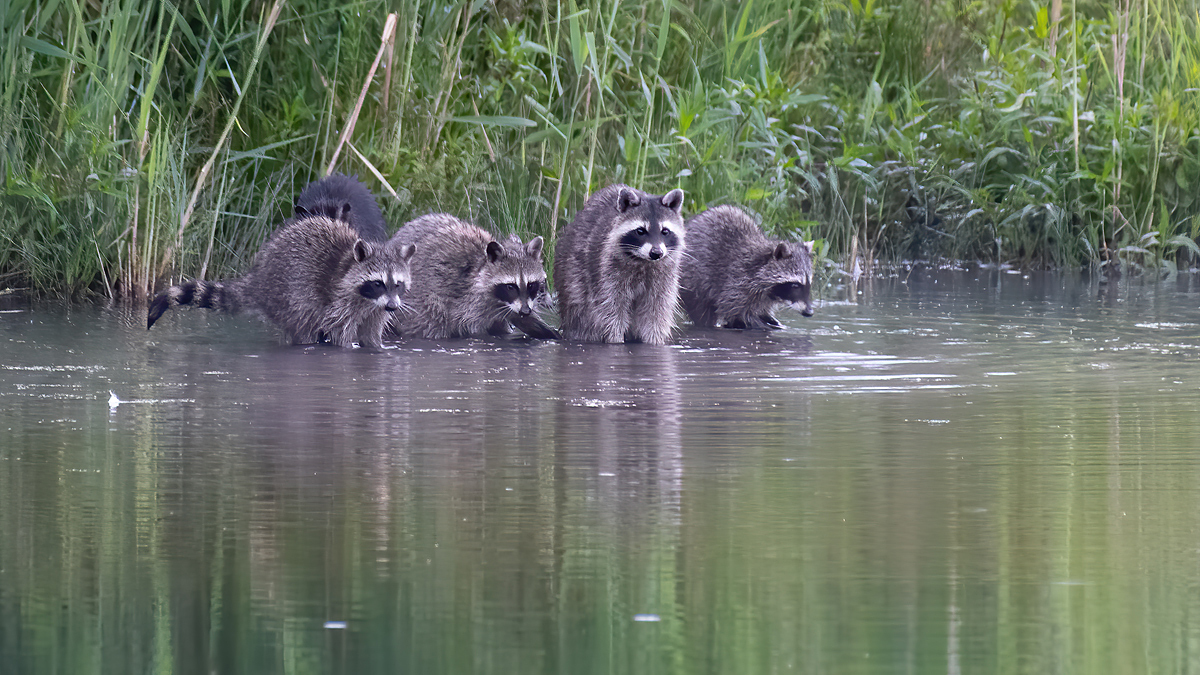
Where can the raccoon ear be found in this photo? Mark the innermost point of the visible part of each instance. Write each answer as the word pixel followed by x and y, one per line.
pixel 782 251
pixel 808 245
pixel 494 251
pixel 626 198
pixel 362 250
pixel 673 200
pixel 301 212
pixel 345 217
pixel 534 247
pixel 407 251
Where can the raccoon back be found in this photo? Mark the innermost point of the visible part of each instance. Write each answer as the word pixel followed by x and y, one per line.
pixel 344 198
pixel 733 266
pixel 452 252
pixel 298 272
pixel 454 280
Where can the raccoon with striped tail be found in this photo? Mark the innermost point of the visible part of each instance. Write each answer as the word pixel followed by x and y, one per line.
pixel 466 283
pixel 735 277
pixel 616 267
pixel 314 278
pixel 341 197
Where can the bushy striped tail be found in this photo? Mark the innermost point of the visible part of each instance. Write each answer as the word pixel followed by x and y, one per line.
pixel 207 294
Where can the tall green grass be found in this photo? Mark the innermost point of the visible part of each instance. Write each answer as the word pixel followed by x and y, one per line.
pixel 141 141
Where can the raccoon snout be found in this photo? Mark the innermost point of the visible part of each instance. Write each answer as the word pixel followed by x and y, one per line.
pixel 656 253
pixel 391 306
pixel 525 310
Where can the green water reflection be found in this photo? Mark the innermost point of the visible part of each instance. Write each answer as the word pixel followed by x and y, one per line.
pixel 1002 478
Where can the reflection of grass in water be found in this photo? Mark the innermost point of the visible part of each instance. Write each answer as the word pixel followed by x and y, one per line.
pixel 891 130
pixel 178 540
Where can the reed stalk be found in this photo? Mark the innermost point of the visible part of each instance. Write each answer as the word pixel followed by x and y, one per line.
pixel 987 135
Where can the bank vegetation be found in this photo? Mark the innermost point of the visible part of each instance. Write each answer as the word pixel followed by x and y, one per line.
pixel 146 140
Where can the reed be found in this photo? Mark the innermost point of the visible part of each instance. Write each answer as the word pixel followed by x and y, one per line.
pixel 141 141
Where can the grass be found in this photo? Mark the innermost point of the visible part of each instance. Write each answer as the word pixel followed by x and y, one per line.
pixel 142 141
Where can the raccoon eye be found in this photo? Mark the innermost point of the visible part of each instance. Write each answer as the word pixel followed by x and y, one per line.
pixel 512 287
pixel 641 231
pixel 372 289
pixel 666 232
pixel 534 288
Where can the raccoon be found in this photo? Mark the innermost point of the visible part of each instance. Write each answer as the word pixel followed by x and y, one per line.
pixel 616 267
pixel 343 198
pixel 466 283
pixel 735 277
pixel 314 278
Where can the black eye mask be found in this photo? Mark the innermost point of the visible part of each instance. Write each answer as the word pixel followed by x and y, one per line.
pixel 506 293
pixel 371 290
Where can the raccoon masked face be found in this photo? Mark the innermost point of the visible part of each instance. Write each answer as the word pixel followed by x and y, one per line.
pixel 794 266
pixel 520 283
pixel 654 238
pixel 387 281
pixel 649 241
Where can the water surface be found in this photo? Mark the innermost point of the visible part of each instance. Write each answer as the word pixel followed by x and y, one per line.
pixel 962 471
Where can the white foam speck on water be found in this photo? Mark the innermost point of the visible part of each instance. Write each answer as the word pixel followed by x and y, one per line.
pixel 1000 374
pixel 1165 324
pixel 608 474
pixel 55 369
pixel 647 618
pixel 113 401
pixel 335 625
pixel 600 403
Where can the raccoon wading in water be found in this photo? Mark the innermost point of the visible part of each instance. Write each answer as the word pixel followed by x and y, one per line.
pixel 466 283
pixel 616 267
pixel 735 277
pixel 344 198
pixel 313 278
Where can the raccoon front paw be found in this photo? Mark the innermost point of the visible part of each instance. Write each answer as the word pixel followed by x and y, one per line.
pixel 770 322
pixel 534 327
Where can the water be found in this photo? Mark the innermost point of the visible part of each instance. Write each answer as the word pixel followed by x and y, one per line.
pixel 961 472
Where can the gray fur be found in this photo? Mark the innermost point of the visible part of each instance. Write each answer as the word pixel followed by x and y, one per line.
pixel 610 292
pixel 457 280
pixel 735 277
pixel 314 278
pixel 344 198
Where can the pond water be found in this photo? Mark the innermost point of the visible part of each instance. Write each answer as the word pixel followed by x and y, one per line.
pixel 961 471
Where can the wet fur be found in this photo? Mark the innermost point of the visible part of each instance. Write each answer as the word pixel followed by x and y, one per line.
pixel 454 281
pixel 344 198
pixel 735 277
pixel 606 291
pixel 312 279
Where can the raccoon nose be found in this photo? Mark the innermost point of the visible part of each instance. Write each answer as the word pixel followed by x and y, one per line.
pixel 391 307
pixel 656 253
pixel 525 310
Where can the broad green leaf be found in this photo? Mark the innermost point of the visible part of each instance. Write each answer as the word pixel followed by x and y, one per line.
pixel 43 47
pixel 495 120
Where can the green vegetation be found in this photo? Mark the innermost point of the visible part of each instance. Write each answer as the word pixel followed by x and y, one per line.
pixel 141 140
